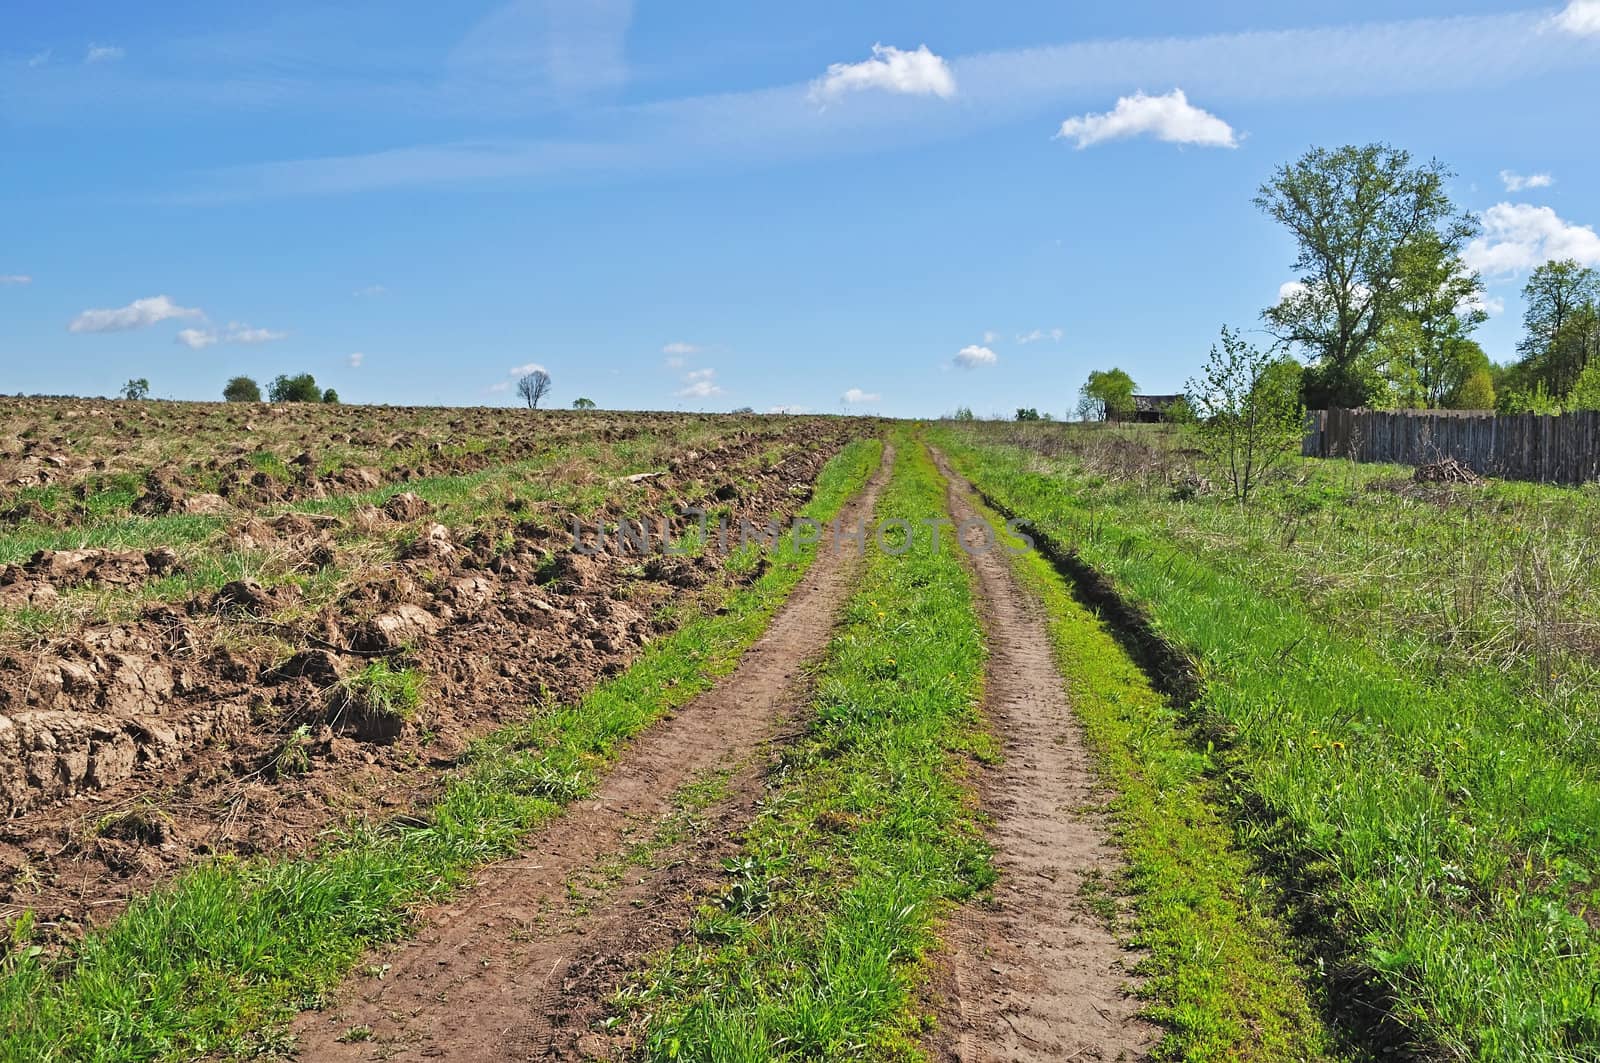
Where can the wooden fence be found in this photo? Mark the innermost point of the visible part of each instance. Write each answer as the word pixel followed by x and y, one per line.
pixel 1520 446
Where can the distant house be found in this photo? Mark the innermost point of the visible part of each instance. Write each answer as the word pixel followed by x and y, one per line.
pixel 1152 409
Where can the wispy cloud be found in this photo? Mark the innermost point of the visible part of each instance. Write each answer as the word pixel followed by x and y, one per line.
pixel 788 409
pixel 102 53
pixel 564 48
pixel 914 73
pixel 39 59
pixel 370 291
pixel 138 314
pixel 974 356
pixel 1171 118
pixel 199 339
pixel 699 384
pixel 1515 182
pixel 356 359
pixel 855 396
pixel 524 370
pixel 1366 60
pixel 680 348
pixel 1516 237
pixel 1054 335
pixel 14 279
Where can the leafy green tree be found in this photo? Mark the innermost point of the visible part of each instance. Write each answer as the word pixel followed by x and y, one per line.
pixel 299 388
pixel 241 389
pixel 331 397
pixel 583 404
pixel 1586 392
pixel 1476 392
pixel 1558 324
pixel 1359 215
pixel 963 413
pixel 1249 420
pixel 1438 304
pixel 136 389
pixel 1027 413
pixel 1107 395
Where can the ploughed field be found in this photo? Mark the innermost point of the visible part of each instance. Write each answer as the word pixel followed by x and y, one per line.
pixel 228 629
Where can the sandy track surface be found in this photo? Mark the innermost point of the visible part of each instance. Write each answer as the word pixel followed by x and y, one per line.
pixel 1035 975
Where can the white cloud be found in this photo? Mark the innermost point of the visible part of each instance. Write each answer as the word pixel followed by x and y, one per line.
pixel 238 333
pixel 1580 18
pixel 1489 304
pixel 504 385
pixel 674 362
pixel 1054 335
pixel 699 384
pixel 370 291
pixel 198 339
pixel 1515 182
pixel 991 336
pixel 40 58
pixel 137 314
pixel 102 53
pixel 1290 289
pixel 14 278
pixel 680 348
pixel 856 395
pixel 788 409
pixel 356 359
pixel 1519 236
pixel 918 73
pixel 1171 118
pixel 524 370
pixel 973 356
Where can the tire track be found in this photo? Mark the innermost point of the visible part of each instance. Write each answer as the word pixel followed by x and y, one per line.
pixel 519 966
pixel 1036 974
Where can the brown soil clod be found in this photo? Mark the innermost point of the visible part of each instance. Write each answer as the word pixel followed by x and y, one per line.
pixel 1034 974
pixel 520 968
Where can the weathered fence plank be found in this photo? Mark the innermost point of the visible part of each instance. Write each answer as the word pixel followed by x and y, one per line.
pixel 1561 449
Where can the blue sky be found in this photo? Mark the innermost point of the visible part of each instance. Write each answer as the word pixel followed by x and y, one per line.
pixel 702 206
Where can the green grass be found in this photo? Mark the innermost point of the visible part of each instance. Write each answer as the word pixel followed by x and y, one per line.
pixel 813 948
pixel 219 960
pixel 1219 974
pixel 1436 826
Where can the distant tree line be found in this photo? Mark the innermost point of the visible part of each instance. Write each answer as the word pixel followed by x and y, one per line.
pixel 301 387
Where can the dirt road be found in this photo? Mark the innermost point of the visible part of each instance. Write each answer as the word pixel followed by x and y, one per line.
pixel 1036 975
pixel 520 965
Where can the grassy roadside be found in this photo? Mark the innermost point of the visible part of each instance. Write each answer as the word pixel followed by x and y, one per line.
pixel 812 950
pixel 1441 856
pixel 218 961
pixel 1218 975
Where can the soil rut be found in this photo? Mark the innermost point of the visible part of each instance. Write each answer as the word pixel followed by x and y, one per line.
pixel 519 966
pixel 1035 975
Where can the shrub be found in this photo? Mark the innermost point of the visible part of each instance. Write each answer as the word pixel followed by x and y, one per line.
pixel 241 389
pixel 300 388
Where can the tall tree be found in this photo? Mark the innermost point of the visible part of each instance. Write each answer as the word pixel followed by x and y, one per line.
pixel 1108 395
pixel 1557 325
pixel 1441 302
pixel 1356 213
pixel 534 387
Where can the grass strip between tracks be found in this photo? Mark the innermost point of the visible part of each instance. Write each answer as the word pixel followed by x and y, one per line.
pixel 219 960
pixel 813 949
